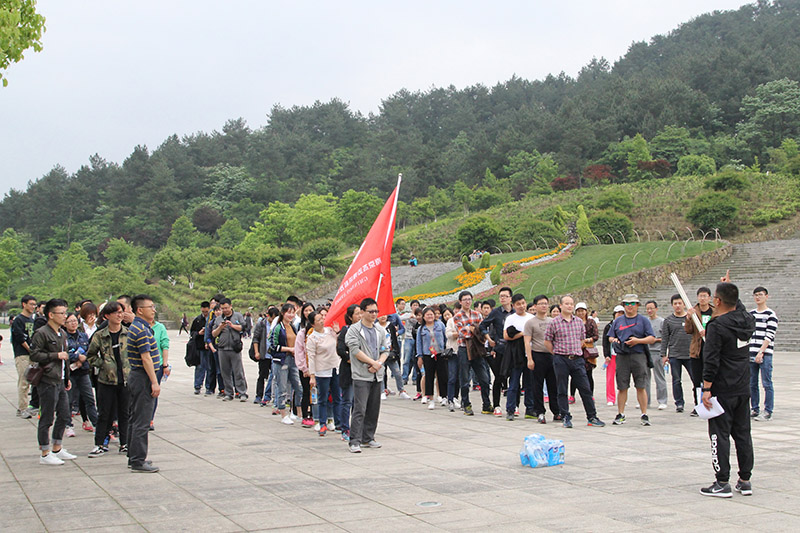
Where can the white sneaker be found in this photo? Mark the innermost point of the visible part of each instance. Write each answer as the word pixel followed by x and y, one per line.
pixel 610 404
pixel 383 396
pixel 293 417
pixel 431 405
pixel 316 426
pixel 443 401
pixel 69 432
pixel 498 411
pixel 64 455
pixel 404 396
pixel 424 399
pixel 287 420
pixel 50 459
pixel 331 423
pixel 662 406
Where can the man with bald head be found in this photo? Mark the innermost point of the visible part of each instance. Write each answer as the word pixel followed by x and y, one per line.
pixel 564 339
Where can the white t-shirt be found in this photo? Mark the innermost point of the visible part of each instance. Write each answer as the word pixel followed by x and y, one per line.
pixel 518 321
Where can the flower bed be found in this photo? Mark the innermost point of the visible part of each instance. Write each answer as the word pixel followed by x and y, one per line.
pixel 467 280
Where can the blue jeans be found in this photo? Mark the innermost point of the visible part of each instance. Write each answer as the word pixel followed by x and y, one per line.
pixel 452 377
pixel 408 357
pixel 200 370
pixel 287 379
pixel 213 375
pixel 395 368
pixel 513 392
pixel 82 389
pixel 346 407
pixel 675 365
pixel 766 380
pixel 478 366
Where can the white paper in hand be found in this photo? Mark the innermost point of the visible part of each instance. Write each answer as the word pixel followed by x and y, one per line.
pixel 716 409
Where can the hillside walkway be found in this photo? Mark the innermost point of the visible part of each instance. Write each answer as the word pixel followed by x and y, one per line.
pixel 234 467
pixel 406 277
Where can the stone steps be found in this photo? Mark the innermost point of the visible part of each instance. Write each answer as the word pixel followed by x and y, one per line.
pixel 772 264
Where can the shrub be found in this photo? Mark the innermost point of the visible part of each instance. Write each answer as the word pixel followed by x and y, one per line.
pixel 597 174
pixel 479 232
pixel 533 229
pixel 608 222
pixel 728 180
pixel 762 217
pixel 713 210
pixel 486 260
pixel 582 227
pixel 696 165
pixel 616 199
pixel 468 267
pixel 494 277
pixel 565 183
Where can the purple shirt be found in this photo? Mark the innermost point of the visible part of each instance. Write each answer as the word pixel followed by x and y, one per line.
pixel 567 337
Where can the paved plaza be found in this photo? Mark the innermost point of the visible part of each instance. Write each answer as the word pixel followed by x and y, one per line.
pixel 233 467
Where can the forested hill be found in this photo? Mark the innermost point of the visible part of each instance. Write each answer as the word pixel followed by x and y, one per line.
pixel 696 77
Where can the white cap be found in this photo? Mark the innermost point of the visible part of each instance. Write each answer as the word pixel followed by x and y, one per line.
pixel 581 305
pixel 619 309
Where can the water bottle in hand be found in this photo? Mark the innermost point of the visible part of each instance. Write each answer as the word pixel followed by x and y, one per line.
pixel 314 395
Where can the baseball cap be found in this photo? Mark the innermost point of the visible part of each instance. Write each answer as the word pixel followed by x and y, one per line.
pixel 619 309
pixel 581 305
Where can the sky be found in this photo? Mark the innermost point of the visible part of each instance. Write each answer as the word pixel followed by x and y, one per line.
pixel 114 75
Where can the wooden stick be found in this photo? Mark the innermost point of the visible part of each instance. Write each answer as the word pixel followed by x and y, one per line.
pixel 675 281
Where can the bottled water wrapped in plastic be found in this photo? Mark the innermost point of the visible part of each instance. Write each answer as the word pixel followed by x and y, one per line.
pixel 538 451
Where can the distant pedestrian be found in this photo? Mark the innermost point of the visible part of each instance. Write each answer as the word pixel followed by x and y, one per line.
pixel 184 325
pixel 761 348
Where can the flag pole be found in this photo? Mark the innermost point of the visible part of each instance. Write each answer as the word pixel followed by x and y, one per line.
pixel 390 228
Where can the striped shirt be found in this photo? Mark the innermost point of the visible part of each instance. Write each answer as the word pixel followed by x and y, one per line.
pixel 463 320
pixel 141 341
pixel 567 337
pixel 766 326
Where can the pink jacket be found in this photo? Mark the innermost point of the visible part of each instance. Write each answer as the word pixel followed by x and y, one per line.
pixel 321 350
pixel 300 351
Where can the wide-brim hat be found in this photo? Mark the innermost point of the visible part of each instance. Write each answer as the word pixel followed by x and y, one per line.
pixel 631 298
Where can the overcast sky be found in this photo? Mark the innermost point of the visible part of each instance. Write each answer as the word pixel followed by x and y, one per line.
pixel 116 74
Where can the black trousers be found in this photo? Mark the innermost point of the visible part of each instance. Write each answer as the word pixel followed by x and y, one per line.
pixel 496 364
pixel 141 412
pixel 734 422
pixel 576 369
pixel 544 372
pixel 589 376
pixel 696 375
pixel 264 366
pixel 54 401
pixel 305 405
pixel 435 367
pixel 111 399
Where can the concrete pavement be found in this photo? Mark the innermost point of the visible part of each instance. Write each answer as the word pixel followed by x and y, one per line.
pixel 233 467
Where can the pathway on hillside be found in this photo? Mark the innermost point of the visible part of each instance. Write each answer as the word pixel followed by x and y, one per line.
pixel 772 264
pixel 406 277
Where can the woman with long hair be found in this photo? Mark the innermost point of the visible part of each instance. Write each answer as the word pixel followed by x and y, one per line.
pixel 451 340
pixel 431 345
pixel 301 361
pixel 80 394
pixel 282 340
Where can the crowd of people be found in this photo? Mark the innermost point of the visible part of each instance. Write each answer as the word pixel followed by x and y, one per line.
pixel 106 364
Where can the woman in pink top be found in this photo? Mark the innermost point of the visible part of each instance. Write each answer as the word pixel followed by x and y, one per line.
pixel 322 364
pixel 302 364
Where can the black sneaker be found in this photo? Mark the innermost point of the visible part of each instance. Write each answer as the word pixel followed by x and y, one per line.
pixel 744 487
pixel 197 391
pixel 694 413
pixel 123 450
pixel 510 417
pixel 679 409
pixel 567 422
pixel 645 420
pixel 720 490
pixel 596 422
pixel 754 413
pixel 619 419
pixel 97 451
pixel 468 410
pixel 487 410
pixel 557 418
pixel 150 468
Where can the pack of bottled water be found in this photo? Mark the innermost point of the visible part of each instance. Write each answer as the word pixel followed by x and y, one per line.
pixel 539 451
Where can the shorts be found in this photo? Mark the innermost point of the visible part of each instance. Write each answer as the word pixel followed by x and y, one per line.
pixel 627 364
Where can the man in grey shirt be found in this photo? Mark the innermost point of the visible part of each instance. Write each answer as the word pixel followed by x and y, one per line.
pixel 651 307
pixel 676 342
pixel 229 343
pixel 369 350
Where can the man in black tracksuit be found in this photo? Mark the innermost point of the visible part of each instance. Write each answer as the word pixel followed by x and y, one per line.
pixel 726 375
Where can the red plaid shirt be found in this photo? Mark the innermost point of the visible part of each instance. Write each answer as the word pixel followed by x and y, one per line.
pixel 463 321
pixel 567 337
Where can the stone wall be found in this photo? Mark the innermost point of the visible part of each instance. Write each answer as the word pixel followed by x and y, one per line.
pixel 605 294
pixel 785 229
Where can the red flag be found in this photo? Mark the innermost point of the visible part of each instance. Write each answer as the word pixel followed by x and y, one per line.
pixel 370 274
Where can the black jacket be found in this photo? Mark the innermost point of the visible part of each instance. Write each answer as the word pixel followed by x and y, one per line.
pixel 726 362
pixel 345 372
pixel 197 324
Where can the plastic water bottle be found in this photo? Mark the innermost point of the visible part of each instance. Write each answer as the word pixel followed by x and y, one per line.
pixel 314 395
pixel 166 376
pixel 666 368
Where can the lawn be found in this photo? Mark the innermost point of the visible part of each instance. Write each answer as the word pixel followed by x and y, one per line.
pixel 447 282
pixel 590 264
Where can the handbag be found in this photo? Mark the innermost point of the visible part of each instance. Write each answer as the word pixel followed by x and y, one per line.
pixel 34 374
pixel 590 353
